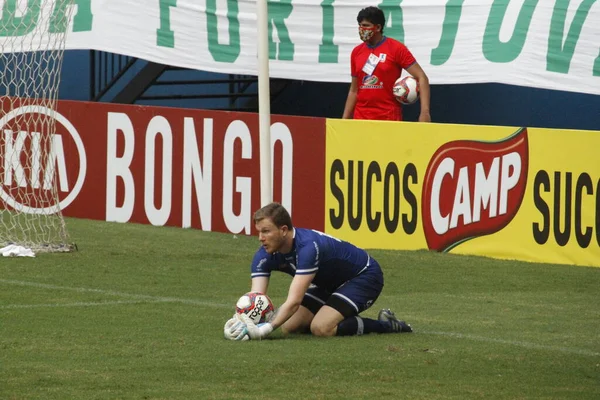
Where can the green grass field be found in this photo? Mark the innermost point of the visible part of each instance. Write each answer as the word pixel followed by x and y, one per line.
pixel 138 313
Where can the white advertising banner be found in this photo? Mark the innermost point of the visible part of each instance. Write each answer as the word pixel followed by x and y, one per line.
pixel 552 44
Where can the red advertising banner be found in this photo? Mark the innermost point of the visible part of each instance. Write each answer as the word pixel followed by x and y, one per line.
pixel 168 166
pixel 492 176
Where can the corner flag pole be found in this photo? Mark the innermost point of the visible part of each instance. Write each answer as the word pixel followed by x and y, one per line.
pixel 264 103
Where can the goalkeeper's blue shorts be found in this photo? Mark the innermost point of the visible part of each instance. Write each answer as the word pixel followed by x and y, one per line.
pixel 351 298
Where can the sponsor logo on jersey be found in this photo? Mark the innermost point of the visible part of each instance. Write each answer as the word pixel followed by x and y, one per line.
pixel 371 82
pixel 473 188
pixel 259 266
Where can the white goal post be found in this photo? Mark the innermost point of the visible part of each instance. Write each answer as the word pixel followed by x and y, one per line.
pixel 32 42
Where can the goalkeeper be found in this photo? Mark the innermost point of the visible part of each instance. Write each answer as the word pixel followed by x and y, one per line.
pixel 333 282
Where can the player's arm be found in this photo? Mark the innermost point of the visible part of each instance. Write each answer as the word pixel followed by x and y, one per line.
pixel 260 271
pixel 424 92
pixel 298 288
pixel 260 284
pixel 351 100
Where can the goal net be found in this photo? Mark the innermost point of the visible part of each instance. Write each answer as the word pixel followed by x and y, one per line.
pixel 32 40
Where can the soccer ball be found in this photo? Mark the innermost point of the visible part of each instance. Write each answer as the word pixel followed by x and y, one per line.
pixel 406 90
pixel 257 306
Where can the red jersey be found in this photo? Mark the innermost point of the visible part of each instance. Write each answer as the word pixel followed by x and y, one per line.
pixel 375 99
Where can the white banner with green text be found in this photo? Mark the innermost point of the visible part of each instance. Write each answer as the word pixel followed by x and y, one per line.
pixel 552 44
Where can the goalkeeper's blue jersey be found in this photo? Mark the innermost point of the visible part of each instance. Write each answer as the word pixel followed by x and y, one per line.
pixel 333 260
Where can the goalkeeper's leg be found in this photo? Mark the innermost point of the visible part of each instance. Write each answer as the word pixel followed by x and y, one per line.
pixel 299 322
pixel 356 296
pixel 361 326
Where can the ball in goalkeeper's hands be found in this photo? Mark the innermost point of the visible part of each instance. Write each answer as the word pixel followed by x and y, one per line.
pixel 256 305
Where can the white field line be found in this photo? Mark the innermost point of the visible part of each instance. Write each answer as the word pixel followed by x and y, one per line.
pixel 527 345
pixel 510 302
pixel 496 301
pixel 141 298
pixel 78 304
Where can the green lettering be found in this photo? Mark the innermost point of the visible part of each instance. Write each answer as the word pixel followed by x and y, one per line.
pixel 328 52
pixel 82 20
pixel 165 37
pixel 442 53
pixel 559 56
pixel 495 50
pixel 278 12
pixel 223 52
pixel 596 70
pixel 394 19
pixel 11 25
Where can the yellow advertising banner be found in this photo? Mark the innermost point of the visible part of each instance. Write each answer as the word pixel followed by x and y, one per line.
pixel 513 193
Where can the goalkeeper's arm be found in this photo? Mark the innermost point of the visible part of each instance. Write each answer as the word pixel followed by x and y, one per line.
pixel 298 288
pixel 260 284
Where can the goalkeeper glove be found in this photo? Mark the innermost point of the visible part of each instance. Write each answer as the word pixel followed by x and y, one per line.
pixel 256 332
pixel 235 330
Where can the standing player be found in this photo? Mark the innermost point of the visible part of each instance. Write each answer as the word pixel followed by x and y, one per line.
pixel 333 281
pixel 376 64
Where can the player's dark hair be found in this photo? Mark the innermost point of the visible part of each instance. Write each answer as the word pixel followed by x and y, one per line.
pixel 372 14
pixel 276 213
